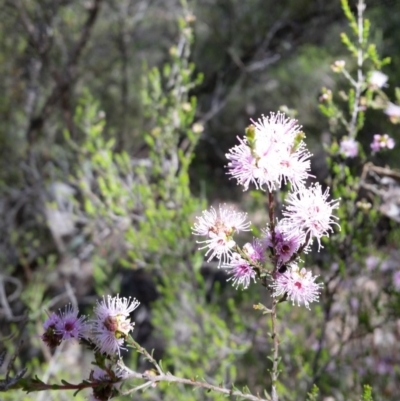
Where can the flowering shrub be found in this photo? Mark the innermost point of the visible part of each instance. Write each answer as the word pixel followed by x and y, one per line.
pixel 302 213
pixel 272 153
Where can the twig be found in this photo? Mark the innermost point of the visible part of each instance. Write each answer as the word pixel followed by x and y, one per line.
pixel 275 357
pixel 360 77
pixel 167 377
pixel 68 74
pixel 146 354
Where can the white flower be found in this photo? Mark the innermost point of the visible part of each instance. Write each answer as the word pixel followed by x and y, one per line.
pixel 309 210
pixel 393 111
pixel 378 79
pixel 270 155
pixel 242 272
pixel 112 323
pixel 219 229
pixel 349 147
pixel 298 285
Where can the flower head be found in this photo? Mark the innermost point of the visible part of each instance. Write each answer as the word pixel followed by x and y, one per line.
pixel 270 154
pixel 285 245
pixel 50 336
pixel 381 142
pixel 378 79
pixel 298 284
pixel 219 228
pixel 338 66
pixel 393 111
pixel 349 147
pixel 309 211
pixel 241 271
pixel 255 251
pixel 65 325
pixel 70 325
pixel 112 323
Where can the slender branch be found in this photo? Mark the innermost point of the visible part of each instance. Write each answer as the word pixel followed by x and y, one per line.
pixel 67 75
pixel 167 377
pixel 360 77
pixel 31 386
pixel 26 21
pixel 152 379
pixel 144 352
pixel 275 356
pixel 271 214
pixel 271 211
pixel 349 78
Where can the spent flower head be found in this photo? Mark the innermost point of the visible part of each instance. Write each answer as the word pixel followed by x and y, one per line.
pixel 298 285
pixel 219 229
pixel 108 388
pixel 111 380
pixel 112 324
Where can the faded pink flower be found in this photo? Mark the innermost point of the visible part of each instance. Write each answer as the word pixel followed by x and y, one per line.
pixel 308 210
pixel 112 324
pixel 285 245
pixel 219 228
pixel 65 325
pixel 255 251
pixel 271 155
pixel 241 271
pixel 70 325
pixel 298 284
pixel 349 147
pixel 51 336
pixel 396 280
pixel 381 142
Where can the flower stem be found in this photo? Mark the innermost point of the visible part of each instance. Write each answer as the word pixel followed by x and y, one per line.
pixel 275 356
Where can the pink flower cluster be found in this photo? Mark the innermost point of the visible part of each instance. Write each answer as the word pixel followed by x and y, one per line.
pixel 381 142
pixel 284 245
pixel 298 285
pixel 271 154
pixel 64 325
pixel 106 332
pixel 349 147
